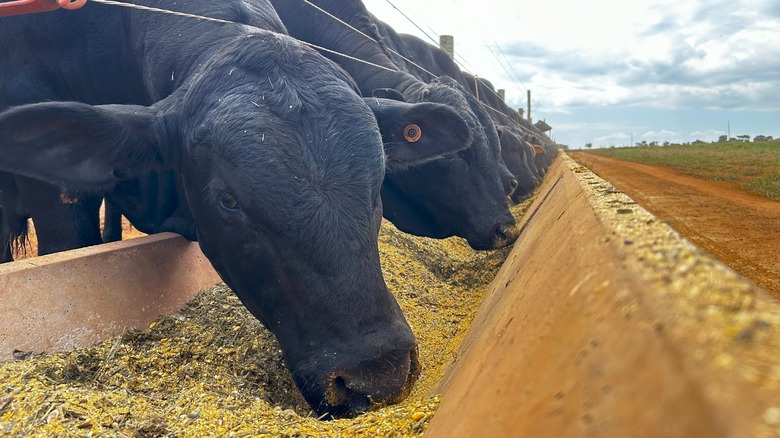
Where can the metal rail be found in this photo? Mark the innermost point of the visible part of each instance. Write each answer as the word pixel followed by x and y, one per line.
pixel 20 7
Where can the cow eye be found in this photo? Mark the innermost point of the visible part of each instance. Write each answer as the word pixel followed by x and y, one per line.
pixel 228 202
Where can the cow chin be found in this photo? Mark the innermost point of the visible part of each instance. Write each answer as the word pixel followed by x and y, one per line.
pixel 349 391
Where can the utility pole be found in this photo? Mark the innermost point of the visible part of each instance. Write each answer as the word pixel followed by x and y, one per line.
pixel 529 106
pixel 728 132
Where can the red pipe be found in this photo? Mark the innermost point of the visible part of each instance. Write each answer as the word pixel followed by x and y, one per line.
pixel 19 7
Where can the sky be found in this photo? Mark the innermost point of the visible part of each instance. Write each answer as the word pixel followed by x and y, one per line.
pixel 617 72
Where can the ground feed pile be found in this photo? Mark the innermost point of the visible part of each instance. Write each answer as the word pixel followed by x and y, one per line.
pixel 213 370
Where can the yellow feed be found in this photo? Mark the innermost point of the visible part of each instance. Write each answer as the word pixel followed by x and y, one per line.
pixel 213 370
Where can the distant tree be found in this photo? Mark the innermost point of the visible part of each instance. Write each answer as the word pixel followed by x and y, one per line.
pixel 588 145
pixel 653 143
pixel 697 141
pixel 723 138
pixel 666 143
pixel 759 138
pixel 743 137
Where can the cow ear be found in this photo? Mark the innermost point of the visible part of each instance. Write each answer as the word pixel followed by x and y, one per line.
pixel 413 134
pixel 78 145
pixel 388 93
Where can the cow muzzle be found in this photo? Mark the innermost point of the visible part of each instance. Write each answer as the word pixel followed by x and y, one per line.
pixel 499 236
pixel 370 385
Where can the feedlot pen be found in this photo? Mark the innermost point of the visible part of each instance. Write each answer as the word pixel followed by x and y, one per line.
pixel 601 321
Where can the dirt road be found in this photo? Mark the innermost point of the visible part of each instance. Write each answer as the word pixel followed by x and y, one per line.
pixel 740 229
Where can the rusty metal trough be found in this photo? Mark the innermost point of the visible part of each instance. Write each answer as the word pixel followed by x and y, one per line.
pixel 74 298
pixel 602 322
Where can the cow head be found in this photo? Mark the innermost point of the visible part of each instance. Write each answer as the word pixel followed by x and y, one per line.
pixel 460 194
pixel 281 165
pixel 537 153
pixel 515 155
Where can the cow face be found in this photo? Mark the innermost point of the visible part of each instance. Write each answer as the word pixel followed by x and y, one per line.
pixel 461 194
pixel 508 181
pixel 515 155
pixel 282 174
pixel 281 164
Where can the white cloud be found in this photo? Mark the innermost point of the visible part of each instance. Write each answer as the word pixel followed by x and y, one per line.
pixel 654 135
pixel 706 135
pixel 615 139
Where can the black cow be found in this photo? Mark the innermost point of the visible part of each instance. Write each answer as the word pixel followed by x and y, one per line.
pixel 276 166
pixel 428 62
pixel 508 116
pixel 519 138
pixel 514 168
pixel 517 156
pixel 461 194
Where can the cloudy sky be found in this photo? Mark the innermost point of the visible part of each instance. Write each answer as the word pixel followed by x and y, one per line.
pixel 608 72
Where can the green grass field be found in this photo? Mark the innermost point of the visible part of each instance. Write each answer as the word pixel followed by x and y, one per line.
pixel 754 166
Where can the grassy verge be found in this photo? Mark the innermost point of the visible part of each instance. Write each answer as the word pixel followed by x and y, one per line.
pixel 754 166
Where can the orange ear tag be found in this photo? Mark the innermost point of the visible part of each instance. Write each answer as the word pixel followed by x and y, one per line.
pixel 412 133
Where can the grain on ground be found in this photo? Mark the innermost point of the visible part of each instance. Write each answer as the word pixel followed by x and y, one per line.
pixel 213 369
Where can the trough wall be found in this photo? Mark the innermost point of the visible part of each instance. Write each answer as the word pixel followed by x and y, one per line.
pixel 69 299
pixel 603 321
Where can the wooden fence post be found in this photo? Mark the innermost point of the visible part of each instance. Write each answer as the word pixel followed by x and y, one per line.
pixel 447 43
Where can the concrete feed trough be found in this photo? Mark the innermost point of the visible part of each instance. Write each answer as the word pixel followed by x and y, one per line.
pixel 601 322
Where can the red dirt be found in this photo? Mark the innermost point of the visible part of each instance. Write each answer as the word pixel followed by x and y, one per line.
pixel 740 229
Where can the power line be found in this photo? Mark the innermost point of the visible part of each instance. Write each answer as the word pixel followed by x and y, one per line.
pixel 354 29
pixel 411 21
pixel 200 17
pixel 509 64
pixel 461 61
pixel 499 61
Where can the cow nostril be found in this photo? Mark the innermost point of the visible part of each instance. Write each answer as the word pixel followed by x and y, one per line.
pixel 513 184
pixel 344 402
pixel 349 393
pixel 501 232
pixel 505 235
